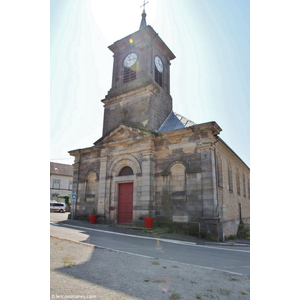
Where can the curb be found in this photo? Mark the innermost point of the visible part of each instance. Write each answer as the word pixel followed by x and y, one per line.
pixel 226 244
pixel 192 240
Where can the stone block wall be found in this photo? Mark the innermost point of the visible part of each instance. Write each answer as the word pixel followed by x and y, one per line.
pixel 235 199
pixel 87 163
pixel 145 107
pixel 184 177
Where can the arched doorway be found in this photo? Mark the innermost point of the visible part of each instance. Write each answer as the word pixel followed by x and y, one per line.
pixel 125 203
pixel 125 198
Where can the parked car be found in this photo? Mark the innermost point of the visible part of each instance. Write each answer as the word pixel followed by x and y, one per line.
pixel 60 207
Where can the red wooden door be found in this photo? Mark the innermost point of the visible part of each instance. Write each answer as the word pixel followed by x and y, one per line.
pixel 125 204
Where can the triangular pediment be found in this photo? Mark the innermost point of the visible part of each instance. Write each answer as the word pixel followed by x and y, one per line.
pixel 123 133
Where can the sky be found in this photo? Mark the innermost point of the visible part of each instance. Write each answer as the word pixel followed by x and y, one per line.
pixel 210 76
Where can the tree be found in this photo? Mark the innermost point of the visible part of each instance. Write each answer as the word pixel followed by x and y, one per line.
pixel 67 198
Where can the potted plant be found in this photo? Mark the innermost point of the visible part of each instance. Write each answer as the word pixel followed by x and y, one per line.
pixel 93 216
pixel 149 220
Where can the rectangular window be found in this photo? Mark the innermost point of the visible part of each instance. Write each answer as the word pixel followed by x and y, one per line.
pixel 56 184
pixel 71 185
pixel 54 197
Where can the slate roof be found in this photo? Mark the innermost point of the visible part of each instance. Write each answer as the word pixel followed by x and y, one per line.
pixel 175 121
pixel 61 169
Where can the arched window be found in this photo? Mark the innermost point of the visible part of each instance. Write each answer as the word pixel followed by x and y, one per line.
pixel 126 171
pixel 91 186
pixel 230 184
pixel 248 188
pixel 177 181
pixel 220 170
pixel 244 185
pixel 238 183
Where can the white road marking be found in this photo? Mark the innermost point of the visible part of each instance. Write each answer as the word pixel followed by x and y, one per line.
pixel 131 235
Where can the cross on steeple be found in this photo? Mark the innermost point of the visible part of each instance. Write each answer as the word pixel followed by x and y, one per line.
pixel 144 5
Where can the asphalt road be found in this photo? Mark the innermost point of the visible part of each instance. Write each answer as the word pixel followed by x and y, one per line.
pixel 225 258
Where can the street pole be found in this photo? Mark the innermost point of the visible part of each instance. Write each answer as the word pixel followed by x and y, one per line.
pixel 73 206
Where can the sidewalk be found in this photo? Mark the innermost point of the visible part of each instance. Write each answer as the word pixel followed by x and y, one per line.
pixel 155 233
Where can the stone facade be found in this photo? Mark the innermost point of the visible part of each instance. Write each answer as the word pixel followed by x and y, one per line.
pixel 183 175
pixel 174 173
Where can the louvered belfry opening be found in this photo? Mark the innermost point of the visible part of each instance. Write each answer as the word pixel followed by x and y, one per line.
pixel 129 73
pixel 158 77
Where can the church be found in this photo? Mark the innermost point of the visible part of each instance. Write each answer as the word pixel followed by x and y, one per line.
pixel 153 161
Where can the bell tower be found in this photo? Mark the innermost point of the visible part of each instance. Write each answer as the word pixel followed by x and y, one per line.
pixel 140 92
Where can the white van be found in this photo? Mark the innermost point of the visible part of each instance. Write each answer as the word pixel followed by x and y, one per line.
pixel 57 206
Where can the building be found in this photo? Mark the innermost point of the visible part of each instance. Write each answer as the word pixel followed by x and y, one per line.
pixel 153 160
pixel 61 180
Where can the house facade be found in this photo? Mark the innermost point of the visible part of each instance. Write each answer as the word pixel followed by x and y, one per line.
pixel 61 180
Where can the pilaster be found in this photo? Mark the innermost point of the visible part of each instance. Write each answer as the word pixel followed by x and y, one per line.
pixel 102 185
pixel 148 180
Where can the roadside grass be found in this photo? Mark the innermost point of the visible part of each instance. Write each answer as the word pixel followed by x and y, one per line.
pixel 174 296
pixel 157 231
pixel 224 292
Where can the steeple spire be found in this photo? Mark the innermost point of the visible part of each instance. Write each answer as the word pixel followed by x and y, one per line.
pixel 143 22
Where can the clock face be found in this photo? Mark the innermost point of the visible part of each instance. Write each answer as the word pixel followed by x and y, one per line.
pixel 130 60
pixel 159 65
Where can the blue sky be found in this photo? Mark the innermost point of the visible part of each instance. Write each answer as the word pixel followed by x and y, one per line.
pixel 210 76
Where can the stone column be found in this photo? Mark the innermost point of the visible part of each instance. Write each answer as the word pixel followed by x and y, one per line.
pixel 75 188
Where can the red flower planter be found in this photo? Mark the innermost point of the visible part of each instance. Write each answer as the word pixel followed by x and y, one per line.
pixel 148 222
pixel 92 219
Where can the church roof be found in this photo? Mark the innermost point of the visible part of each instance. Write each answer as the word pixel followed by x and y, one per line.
pixel 175 121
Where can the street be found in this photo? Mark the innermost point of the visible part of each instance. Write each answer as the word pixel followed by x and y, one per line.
pixel 226 258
